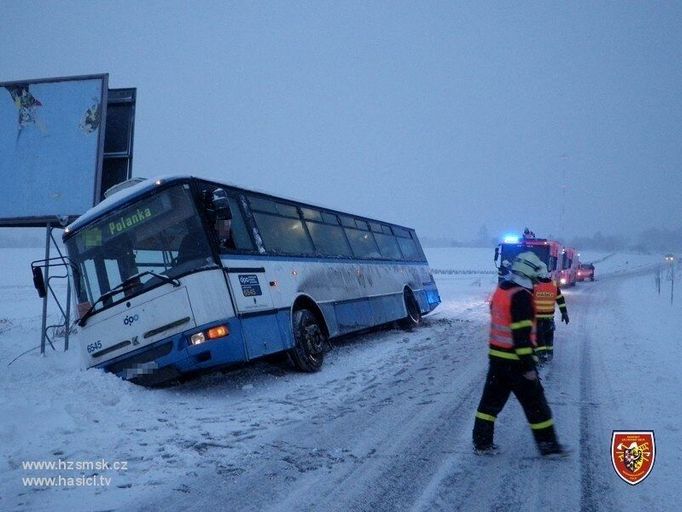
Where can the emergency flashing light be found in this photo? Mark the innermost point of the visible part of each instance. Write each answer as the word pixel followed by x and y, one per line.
pixel 511 239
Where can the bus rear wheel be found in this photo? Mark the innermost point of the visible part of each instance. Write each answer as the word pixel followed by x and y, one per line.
pixel 307 355
pixel 414 315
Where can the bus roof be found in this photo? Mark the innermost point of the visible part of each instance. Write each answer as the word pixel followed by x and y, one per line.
pixel 127 195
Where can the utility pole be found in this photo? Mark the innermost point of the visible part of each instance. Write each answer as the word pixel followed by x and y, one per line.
pixel 562 215
pixel 671 275
pixel 658 279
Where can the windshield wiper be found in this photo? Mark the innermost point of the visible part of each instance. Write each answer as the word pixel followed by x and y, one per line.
pixel 127 283
pixel 166 279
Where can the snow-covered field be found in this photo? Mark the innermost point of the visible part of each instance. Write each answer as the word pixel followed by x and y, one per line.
pixel 385 426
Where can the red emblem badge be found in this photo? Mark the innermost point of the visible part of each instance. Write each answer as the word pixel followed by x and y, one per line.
pixel 633 454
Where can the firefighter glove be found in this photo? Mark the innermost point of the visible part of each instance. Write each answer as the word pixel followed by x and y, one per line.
pixel 564 317
pixel 531 375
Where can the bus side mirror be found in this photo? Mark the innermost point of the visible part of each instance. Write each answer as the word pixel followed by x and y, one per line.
pixel 221 206
pixel 39 282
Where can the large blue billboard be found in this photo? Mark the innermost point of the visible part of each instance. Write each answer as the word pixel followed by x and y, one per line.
pixel 51 143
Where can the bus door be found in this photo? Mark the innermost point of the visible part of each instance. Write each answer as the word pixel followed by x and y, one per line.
pixel 250 290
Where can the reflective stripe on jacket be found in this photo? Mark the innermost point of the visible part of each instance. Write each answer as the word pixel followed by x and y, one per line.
pixel 545 295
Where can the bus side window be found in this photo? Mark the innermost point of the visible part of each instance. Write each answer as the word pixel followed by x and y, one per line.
pixel 401 232
pixel 238 230
pixel 287 210
pixel 329 239
pixel 225 217
pixel 362 242
pixel 348 222
pixel 330 218
pixel 408 248
pixel 283 235
pixel 361 224
pixel 413 235
pixel 262 205
pixel 310 214
pixel 388 246
pixel 326 233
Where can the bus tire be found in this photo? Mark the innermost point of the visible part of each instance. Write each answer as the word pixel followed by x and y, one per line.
pixel 307 355
pixel 414 315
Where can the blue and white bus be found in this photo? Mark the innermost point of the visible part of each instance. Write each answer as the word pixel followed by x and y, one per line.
pixel 179 274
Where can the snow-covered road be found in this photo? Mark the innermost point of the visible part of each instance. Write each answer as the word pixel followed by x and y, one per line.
pixel 385 426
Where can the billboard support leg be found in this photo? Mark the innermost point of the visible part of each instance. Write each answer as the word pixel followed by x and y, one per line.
pixel 63 328
pixel 67 316
pixel 43 334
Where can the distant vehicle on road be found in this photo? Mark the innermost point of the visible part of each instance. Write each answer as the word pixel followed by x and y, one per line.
pixel 568 263
pixel 585 271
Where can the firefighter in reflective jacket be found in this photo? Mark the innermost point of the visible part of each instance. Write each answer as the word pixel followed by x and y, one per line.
pixel 546 293
pixel 512 361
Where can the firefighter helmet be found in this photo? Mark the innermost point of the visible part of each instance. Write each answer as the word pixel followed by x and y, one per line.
pixel 527 264
pixel 544 273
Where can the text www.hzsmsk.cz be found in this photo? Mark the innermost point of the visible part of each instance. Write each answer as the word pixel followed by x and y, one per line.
pixel 94 479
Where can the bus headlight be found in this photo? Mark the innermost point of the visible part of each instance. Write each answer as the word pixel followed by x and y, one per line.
pixel 219 331
pixel 197 338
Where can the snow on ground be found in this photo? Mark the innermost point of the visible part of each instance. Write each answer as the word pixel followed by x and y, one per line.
pixel 385 426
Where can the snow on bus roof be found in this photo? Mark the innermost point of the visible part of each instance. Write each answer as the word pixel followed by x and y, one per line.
pixel 126 194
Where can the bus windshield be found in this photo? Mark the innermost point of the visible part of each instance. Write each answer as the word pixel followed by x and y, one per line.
pixel 161 234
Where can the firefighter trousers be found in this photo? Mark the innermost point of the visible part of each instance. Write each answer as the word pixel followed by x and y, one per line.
pixel 545 338
pixel 505 377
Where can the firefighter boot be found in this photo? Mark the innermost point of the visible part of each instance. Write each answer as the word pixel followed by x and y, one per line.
pixel 491 449
pixel 553 450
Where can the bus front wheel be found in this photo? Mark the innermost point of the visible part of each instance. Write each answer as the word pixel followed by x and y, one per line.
pixel 307 354
pixel 414 315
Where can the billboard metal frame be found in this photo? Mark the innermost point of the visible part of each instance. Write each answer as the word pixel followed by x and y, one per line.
pixel 117 97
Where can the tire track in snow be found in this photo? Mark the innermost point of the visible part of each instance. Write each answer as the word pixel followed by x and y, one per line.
pixel 588 499
pixel 374 446
pixel 404 463
pixel 596 491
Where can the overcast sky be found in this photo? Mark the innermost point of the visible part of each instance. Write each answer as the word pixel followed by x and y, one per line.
pixel 445 116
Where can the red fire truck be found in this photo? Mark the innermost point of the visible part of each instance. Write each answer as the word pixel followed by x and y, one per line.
pixel 568 263
pixel 549 251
